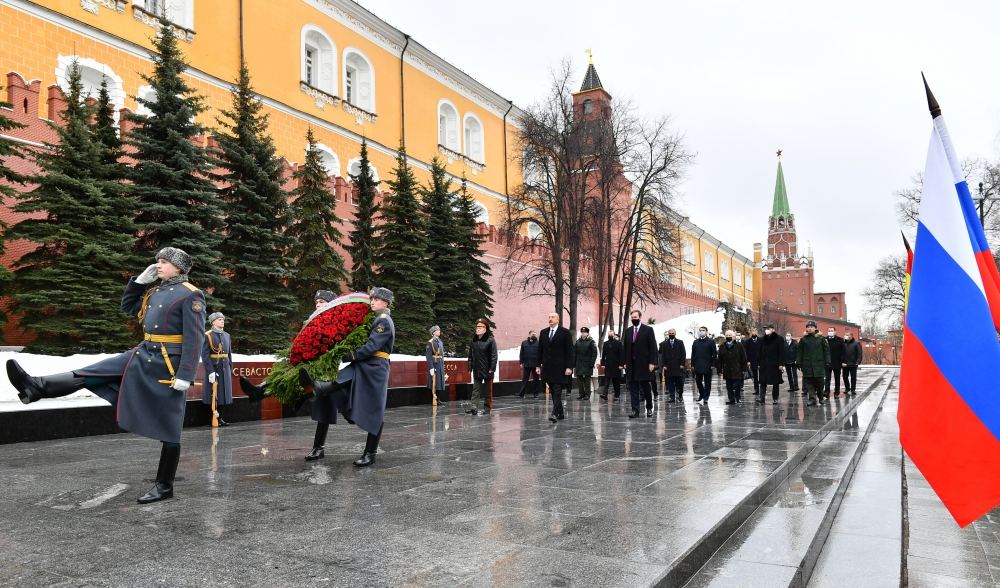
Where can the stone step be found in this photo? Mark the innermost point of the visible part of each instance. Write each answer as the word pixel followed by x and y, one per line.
pixel 762 465
pixel 864 547
pixel 779 542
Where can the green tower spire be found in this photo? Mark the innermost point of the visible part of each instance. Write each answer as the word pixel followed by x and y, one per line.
pixel 781 207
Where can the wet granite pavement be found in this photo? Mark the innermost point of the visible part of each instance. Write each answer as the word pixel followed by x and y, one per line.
pixel 505 500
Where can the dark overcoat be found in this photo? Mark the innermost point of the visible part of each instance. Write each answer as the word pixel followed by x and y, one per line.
pixel 791 352
pixel 368 375
pixel 814 356
pixel 640 354
pixel 852 353
pixel 613 358
pixel 528 356
pixel 732 360
pixel 703 355
pixel 752 347
pixel 772 358
pixel 483 356
pixel 586 357
pixel 672 357
pixel 217 356
pixel 138 381
pixel 836 350
pixel 434 354
pixel 556 355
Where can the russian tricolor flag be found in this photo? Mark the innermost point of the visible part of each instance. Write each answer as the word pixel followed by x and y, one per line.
pixel 949 399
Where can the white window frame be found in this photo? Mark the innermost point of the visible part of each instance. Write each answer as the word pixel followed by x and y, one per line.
pixel 748 283
pixel 448 115
pixel 362 84
pixel 724 269
pixel 474 147
pixel 708 258
pixel 354 166
pixel 331 162
pixel 687 252
pixel 324 59
pixel 534 231
pixel 482 213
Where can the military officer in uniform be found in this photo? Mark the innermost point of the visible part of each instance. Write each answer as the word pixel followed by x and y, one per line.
pixel 146 385
pixel 366 377
pixel 434 354
pixel 216 356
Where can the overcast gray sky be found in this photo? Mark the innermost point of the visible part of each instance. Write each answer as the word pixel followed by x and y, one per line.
pixel 835 86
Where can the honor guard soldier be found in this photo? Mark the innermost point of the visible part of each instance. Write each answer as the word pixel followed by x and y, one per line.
pixel 366 377
pixel 434 354
pixel 217 357
pixel 146 385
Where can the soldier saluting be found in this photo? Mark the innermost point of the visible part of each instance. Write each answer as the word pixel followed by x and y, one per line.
pixel 146 385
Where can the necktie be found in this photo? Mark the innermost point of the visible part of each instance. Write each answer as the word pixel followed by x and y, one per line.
pixel 552 333
pixel 635 333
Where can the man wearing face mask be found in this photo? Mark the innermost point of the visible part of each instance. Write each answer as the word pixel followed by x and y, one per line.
pixel 528 358
pixel 852 359
pixel 813 360
pixel 732 362
pixel 613 360
pixel 586 357
pixel 836 359
pixel 772 358
pixel 640 364
pixel 672 358
pixel 555 353
pixel 752 346
pixel 791 351
pixel 703 359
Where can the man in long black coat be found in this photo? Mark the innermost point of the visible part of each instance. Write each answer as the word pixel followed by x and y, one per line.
pixel 752 347
pixel 557 360
pixel 613 360
pixel 672 358
pixel 772 358
pixel 528 359
pixel 836 344
pixel 640 363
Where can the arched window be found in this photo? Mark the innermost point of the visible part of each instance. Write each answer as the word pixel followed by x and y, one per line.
pixel 331 163
pixel 833 309
pixel 819 309
pixel 92 73
pixel 473 138
pixel 448 125
pixel 354 168
pixel 482 215
pixel 319 58
pixel 359 80
pixel 588 106
pixel 148 94
pixel 534 231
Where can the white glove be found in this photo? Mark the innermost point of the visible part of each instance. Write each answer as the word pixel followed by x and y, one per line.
pixel 148 276
pixel 431 371
pixel 212 377
pixel 181 385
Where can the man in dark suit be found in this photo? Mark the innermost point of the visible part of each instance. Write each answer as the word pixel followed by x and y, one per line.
pixel 556 362
pixel 640 363
pixel 752 347
pixel 834 370
pixel 672 359
pixel 791 356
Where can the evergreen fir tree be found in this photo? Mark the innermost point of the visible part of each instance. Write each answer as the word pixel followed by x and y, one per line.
pixel 258 304
pixel 178 205
pixel 106 132
pixel 480 296
pixel 362 237
pixel 401 258
pixel 314 231
pixel 452 283
pixel 70 286
pixel 8 177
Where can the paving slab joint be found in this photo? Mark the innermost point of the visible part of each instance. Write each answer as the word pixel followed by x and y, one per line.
pixel 684 568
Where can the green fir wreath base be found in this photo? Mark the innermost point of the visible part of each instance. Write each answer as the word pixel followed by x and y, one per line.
pixel 283 381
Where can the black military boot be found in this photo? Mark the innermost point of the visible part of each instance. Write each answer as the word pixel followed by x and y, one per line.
pixel 163 486
pixel 30 388
pixel 319 440
pixel 253 391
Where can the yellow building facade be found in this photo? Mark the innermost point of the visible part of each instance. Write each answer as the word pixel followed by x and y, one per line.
pixel 326 64
pixel 714 269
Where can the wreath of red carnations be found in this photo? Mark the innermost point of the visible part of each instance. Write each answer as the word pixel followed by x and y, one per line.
pixel 328 326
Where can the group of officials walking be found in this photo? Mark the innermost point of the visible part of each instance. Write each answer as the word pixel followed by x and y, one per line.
pixel 553 359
